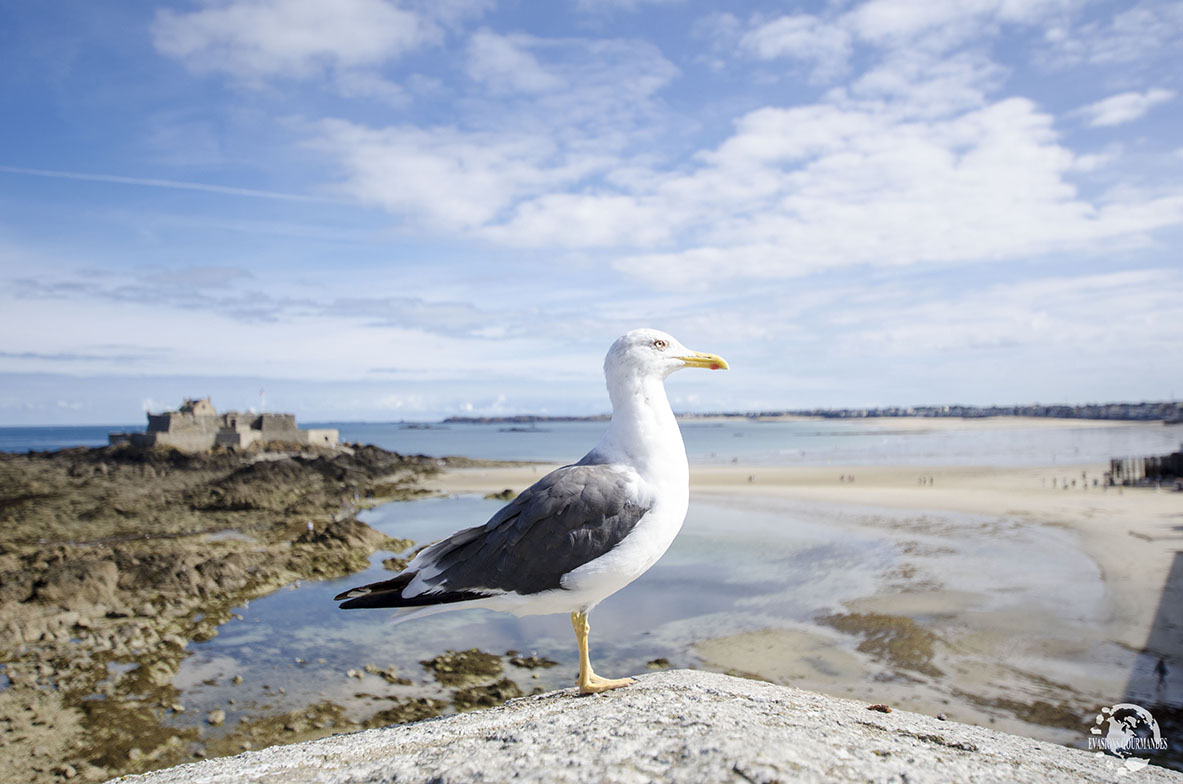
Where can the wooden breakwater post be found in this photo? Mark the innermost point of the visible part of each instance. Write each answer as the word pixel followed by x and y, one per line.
pixel 1130 470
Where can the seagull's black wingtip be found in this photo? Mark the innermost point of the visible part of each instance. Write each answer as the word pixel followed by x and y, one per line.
pixel 389 594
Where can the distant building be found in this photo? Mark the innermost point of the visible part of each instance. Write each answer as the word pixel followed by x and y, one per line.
pixel 197 426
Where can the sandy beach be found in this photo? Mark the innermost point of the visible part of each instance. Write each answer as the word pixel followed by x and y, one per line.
pixel 1132 533
pixel 932 639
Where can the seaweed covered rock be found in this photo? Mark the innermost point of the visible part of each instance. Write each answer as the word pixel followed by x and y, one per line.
pixel 349 532
pixel 76 584
pixel 125 555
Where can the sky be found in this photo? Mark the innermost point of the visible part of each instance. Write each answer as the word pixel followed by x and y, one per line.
pixel 410 209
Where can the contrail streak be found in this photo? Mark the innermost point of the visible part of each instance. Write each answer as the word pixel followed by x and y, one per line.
pixel 155 183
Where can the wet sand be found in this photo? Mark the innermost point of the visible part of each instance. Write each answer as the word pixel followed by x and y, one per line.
pixel 933 638
pixel 1132 533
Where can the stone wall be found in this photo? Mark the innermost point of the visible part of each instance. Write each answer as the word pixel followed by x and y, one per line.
pixel 321 436
pixel 185 441
pixel 238 438
pixel 277 427
pixel 177 422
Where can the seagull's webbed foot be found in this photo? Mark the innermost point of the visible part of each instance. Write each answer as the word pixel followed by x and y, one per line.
pixel 594 684
pixel 589 682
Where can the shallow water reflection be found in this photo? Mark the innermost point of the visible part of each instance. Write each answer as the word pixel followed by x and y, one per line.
pixel 734 568
pixel 726 572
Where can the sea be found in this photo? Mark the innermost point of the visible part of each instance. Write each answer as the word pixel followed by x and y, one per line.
pixel 824 442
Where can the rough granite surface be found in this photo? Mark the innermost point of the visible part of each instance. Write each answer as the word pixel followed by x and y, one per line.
pixel 678 726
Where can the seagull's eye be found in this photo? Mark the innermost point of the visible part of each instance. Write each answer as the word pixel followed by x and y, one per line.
pixel 659 344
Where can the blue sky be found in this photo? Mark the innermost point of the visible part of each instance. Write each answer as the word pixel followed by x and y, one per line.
pixel 381 209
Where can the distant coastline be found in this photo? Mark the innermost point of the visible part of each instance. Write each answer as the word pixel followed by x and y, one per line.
pixel 521 419
pixel 1169 412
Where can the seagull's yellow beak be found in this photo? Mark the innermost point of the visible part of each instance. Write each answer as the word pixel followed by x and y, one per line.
pixel 708 361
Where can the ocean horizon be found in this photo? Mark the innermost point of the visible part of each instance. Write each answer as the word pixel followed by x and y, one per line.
pixel 716 442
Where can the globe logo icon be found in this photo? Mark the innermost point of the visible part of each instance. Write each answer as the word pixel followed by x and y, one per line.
pixel 1126 731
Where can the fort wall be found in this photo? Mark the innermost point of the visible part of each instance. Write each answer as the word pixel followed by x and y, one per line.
pixel 197 427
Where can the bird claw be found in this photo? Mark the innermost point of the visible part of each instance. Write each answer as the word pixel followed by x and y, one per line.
pixel 595 684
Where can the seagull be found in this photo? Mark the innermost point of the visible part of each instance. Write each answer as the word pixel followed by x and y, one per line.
pixel 583 531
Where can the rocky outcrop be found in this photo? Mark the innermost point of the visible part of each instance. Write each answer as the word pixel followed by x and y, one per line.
pixel 679 726
pixel 76 584
pixel 122 556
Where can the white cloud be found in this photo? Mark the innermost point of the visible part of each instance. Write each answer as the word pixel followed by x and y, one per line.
pixel 604 6
pixel 324 343
pixel 591 220
pixel 608 91
pixel 912 165
pixel 906 24
pixel 913 162
pixel 504 63
pixel 905 27
pixel 357 83
pixel 451 178
pixel 923 46
pixel 1090 162
pixel 451 12
pixel 940 26
pixel 563 112
pixel 886 20
pixel 923 85
pixel 1060 312
pixel 1125 107
pixel 1138 36
pixel 801 37
pixel 258 39
pixel 238 295
pixel 821 187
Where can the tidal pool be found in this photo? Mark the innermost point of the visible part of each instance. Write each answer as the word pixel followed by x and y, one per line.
pixel 735 568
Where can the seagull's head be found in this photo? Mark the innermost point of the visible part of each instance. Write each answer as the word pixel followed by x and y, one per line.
pixel 651 352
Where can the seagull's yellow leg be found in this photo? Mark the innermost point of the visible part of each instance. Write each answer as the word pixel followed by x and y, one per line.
pixel 589 682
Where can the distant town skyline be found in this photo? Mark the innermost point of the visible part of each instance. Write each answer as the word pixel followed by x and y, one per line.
pixel 408 210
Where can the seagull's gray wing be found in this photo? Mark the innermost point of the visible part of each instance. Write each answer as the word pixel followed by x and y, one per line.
pixel 569 517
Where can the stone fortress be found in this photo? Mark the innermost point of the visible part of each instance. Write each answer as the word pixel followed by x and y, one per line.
pixel 198 427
